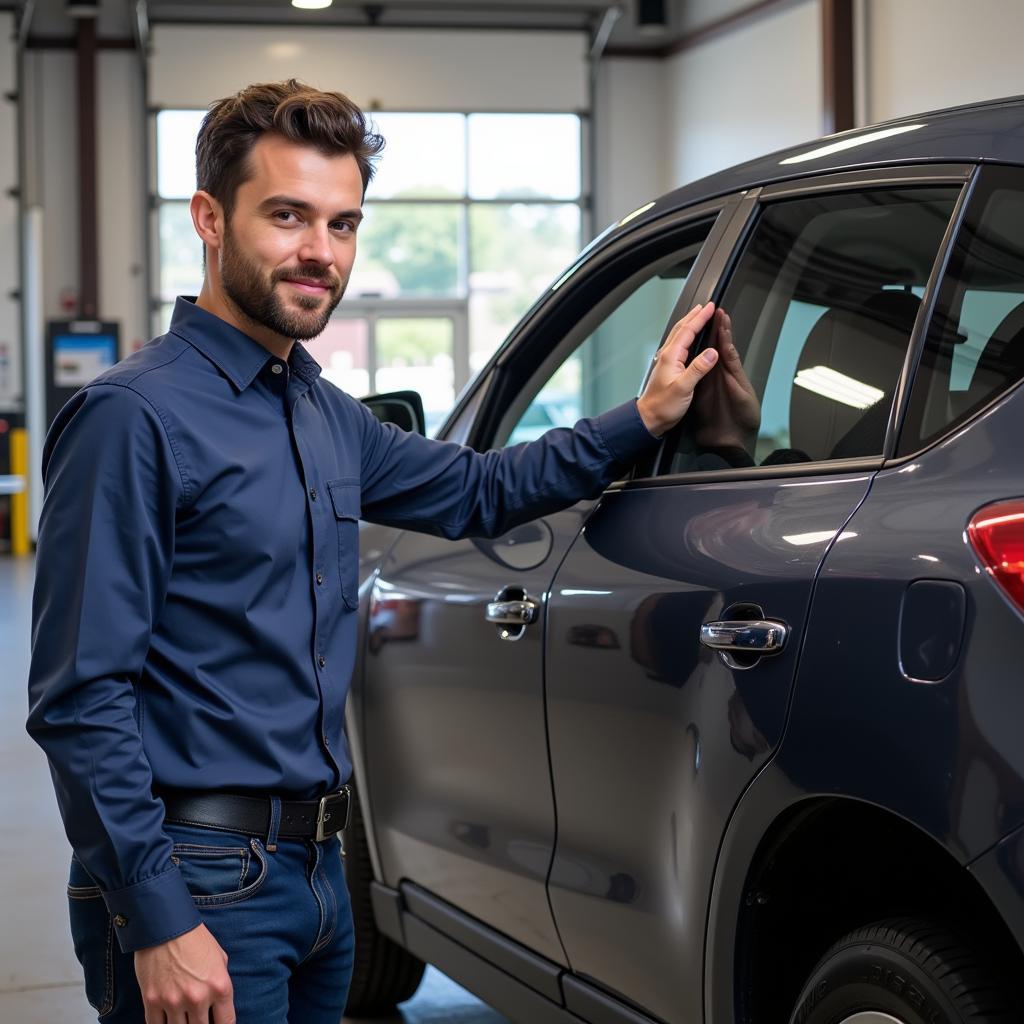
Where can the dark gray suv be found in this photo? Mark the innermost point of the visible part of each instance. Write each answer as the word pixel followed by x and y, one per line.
pixel 742 740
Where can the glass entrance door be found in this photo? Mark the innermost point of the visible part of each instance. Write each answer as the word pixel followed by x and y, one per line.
pixel 374 348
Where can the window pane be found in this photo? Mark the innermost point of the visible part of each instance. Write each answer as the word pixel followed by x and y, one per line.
pixel 505 150
pixel 822 305
pixel 342 352
pixel 181 253
pixel 176 132
pixel 407 249
pixel 516 251
pixel 416 353
pixel 607 366
pixel 425 156
pixel 975 348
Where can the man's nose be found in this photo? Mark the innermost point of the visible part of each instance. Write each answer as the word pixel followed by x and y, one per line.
pixel 316 245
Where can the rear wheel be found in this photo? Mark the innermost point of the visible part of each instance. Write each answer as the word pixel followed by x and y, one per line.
pixel 383 974
pixel 904 971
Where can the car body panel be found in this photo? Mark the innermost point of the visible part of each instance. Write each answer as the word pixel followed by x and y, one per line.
pixel 945 754
pixel 454 726
pixel 653 736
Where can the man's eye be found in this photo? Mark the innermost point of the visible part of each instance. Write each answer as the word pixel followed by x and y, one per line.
pixel 344 226
pixel 284 215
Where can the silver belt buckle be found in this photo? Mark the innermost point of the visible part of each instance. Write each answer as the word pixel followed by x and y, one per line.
pixel 324 815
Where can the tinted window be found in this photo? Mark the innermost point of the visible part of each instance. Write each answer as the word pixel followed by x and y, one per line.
pixel 975 345
pixel 604 362
pixel 822 305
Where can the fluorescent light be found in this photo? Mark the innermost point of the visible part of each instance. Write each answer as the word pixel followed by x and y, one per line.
pixel 311 5
pixel 859 140
pixel 829 383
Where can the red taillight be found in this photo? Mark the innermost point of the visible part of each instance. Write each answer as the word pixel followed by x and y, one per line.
pixel 996 533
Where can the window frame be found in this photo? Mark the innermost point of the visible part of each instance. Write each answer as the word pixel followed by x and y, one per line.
pixel 984 181
pixel 547 330
pixel 718 276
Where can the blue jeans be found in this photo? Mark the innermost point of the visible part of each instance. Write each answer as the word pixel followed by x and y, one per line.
pixel 282 917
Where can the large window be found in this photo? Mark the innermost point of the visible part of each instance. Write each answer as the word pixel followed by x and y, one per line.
pixel 468 219
pixel 821 305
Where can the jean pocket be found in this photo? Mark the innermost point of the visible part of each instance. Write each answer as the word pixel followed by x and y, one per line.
pixel 345 497
pixel 92 932
pixel 220 875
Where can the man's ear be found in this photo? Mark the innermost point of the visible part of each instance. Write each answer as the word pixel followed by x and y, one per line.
pixel 208 218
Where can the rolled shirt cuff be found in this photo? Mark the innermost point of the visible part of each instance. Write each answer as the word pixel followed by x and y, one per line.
pixel 624 432
pixel 153 911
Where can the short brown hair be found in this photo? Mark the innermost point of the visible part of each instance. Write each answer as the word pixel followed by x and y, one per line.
pixel 329 121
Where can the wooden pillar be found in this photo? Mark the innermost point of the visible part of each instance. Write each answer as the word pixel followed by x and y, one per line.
pixel 837 64
pixel 88 242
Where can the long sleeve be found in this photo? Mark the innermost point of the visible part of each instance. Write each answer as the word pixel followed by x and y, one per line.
pixel 453 491
pixel 106 546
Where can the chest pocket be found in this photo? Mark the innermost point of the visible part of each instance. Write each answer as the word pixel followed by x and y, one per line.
pixel 345 500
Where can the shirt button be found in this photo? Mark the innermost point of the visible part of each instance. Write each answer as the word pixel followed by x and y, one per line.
pixel 312 493
pixel 319 579
pixel 321 661
pixel 276 368
pixel 120 920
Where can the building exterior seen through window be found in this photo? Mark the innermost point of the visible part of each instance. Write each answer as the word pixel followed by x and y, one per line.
pixel 468 219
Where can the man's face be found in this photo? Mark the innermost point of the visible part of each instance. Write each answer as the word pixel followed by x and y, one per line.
pixel 290 241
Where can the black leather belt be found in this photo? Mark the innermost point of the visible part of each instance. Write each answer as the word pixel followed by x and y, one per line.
pixel 300 819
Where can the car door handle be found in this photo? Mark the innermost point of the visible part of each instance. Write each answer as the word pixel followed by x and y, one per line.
pixel 512 613
pixel 758 637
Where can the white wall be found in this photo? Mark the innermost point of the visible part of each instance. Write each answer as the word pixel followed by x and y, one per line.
pixel 924 54
pixel 632 135
pixel 745 93
pixel 10 316
pixel 393 69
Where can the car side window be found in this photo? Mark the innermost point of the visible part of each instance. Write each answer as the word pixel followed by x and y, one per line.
pixel 813 330
pixel 603 362
pixel 975 345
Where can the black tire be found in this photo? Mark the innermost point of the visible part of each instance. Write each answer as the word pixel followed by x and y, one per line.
pixel 383 974
pixel 914 971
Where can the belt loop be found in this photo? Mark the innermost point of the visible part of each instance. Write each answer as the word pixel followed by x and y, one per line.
pixel 275 824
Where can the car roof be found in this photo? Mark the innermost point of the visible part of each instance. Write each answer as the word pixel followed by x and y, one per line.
pixel 991 131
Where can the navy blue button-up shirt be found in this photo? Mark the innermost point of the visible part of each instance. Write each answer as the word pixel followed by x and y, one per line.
pixel 197 573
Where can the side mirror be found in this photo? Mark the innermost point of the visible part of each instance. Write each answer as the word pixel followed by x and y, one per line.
pixel 403 408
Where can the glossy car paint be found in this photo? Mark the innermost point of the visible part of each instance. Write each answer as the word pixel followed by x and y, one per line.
pixel 941 754
pixel 947 754
pixel 455 726
pixel 654 737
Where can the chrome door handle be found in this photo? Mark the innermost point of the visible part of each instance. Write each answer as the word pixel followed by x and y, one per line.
pixel 758 637
pixel 512 613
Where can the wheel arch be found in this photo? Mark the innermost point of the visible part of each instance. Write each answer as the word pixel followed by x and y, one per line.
pixel 798 870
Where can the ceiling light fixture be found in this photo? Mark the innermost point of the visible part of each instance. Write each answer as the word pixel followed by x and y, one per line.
pixel 311 5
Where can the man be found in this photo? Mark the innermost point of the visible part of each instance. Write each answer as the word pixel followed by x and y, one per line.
pixel 196 581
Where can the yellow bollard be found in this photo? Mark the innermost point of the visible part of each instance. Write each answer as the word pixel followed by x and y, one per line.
pixel 20 541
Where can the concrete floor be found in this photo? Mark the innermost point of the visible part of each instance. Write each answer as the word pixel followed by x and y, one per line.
pixel 39 975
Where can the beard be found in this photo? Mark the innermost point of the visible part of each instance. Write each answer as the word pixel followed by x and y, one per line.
pixel 254 293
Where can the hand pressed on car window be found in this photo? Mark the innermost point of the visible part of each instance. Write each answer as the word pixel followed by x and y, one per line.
pixel 726 411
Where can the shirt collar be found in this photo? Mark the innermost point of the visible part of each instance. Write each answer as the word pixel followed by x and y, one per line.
pixel 232 351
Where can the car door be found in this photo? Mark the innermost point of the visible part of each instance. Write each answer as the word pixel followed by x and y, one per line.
pixel 453 719
pixel 676 619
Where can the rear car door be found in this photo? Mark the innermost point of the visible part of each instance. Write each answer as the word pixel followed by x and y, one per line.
pixel 653 734
pixel 934 696
pixel 453 720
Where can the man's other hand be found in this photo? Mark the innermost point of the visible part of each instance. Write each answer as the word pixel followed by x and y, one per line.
pixel 186 980
pixel 670 387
